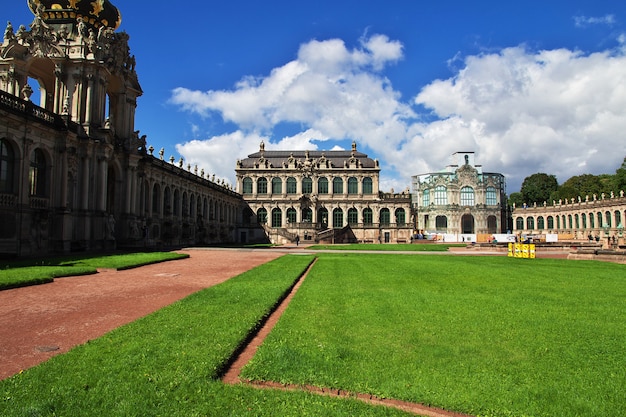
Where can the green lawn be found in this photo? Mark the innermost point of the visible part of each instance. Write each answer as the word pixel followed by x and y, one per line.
pixel 485 336
pixel 168 363
pixel 31 272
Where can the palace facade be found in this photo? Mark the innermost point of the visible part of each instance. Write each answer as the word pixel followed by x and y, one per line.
pixel 330 196
pixel 461 202
pixel 74 173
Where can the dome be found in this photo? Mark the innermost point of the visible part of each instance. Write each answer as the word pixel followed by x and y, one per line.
pixel 94 13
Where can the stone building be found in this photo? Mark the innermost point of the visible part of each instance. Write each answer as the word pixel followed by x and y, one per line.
pixel 330 196
pixel 461 202
pixel 74 172
pixel 597 218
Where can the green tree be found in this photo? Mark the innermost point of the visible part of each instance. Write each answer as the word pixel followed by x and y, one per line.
pixel 537 188
pixel 583 185
pixel 517 199
pixel 619 179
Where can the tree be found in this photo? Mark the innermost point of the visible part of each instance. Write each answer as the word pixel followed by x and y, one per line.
pixel 619 179
pixel 517 199
pixel 537 188
pixel 581 186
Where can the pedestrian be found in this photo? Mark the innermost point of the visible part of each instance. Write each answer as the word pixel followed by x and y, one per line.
pixel 297 240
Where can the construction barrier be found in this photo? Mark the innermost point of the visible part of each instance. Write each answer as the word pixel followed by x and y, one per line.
pixel 522 250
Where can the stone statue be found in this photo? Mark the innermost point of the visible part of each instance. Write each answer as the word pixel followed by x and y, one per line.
pixel 8 32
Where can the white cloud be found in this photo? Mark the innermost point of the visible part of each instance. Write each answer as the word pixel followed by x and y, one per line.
pixel 584 21
pixel 555 111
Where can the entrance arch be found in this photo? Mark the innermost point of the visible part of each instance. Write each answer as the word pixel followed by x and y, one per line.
pixel 467 224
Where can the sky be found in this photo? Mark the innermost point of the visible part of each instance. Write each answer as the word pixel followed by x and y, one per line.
pixel 533 86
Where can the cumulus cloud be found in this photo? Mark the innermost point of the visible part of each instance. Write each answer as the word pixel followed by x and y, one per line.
pixel 556 111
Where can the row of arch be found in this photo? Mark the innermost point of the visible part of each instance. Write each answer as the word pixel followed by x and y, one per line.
pixel 571 222
pixel 307 185
pixel 338 218
pixel 439 196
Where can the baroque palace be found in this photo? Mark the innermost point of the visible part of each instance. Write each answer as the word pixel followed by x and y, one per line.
pixel 74 172
pixel 323 196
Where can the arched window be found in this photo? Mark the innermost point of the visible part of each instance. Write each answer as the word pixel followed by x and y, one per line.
pixel 247 185
pixel 426 197
pixel 540 223
pixel 441 195
pixel 277 185
pixel 467 196
pixel 492 224
pixel 491 198
pixel 322 185
pixel 530 223
pixel 185 208
pixel 322 216
pixel 353 216
pixel 591 220
pixel 367 185
pixel 277 217
pixel 167 201
pixel 261 216
pixel 353 186
pixel 176 203
pixel 569 218
pixel 337 185
pixel 261 185
pixel 37 174
pixel 156 197
pixel 385 216
pixel 558 222
pixel 7 167
pixel 307 185
pixel 584 219
pixel 550 222
pixel 607 217
pixel 400 217
pixel 618 217
pixel 368 216
pixel 337 218
pixel 577 221
pixel 307 215
pixel 291 185
pixel 441 223
pixel 519 223
pixel 291 215
pixel 600 224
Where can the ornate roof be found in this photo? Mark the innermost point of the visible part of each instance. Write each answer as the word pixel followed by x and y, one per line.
pixel 94 13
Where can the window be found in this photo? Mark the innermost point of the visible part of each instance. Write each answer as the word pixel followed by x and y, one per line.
pixel 492 224
pixel 156 196
pixel 247 185
pixel 600 219
pixel 7 167
pixel 441 223
pixel 322 185
pixel 426 198
pixel 550 222
pixel 337 185
pixel 261 185
pixel 277 185
pixel 491 199
pixel 368 216
pixel 322 216
pixel 519 223
pixel 385 217
pixel 307 215
pixel 277 218
pixel 353 186
pixel 591 220
pixel 618 217
pixel 291 215
pixel 261 216
pixel 291 185
pixel 607 216
pixel 467 196
pixel 400 217
pixel 307 185
pixel 540 223
pixel 569 218
pixel 584 219
pixel 337 218
pixel 353 216
pixel 37 174
pixel 577 221
pixel 441 195
pixel 530 223
pixel 367 185
pixel 167 201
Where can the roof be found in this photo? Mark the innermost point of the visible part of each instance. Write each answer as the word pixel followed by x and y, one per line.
pixel 338 159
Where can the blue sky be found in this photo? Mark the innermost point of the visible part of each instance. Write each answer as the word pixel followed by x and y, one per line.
pixel 534 86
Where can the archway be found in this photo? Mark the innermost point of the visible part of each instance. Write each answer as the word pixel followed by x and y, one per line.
pixel 467 224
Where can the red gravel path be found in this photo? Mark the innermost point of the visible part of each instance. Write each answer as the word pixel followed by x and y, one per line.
pixel 39 322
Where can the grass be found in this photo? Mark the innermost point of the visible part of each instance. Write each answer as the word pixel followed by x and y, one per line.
pixel 167 363
pixel 32 272
pixel 399 247
pixel 485 336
